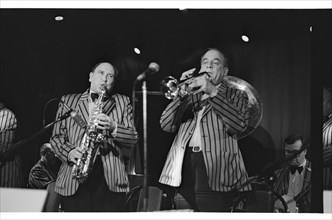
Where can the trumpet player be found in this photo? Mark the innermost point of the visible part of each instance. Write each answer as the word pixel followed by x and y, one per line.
pixel 106 185
pixel 204 162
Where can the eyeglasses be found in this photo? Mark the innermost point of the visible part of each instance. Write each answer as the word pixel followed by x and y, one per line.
pixel 290 151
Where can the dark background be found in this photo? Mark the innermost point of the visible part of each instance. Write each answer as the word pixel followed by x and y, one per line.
pixel 284 61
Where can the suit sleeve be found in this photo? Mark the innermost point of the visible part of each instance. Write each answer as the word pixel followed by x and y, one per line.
pixel 231 105
pixel 126 134
pixel 327 155
pixel 59 139
pixel 172 115
pixel 8 125
pixel 7 120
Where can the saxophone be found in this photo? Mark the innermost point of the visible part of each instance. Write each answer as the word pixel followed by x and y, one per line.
pixel 91 141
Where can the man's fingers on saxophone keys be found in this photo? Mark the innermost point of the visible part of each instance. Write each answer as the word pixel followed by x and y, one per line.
pixel 75 154
pixel 104 122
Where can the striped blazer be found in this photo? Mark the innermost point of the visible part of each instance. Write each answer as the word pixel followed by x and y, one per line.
pixel 224 116
pixel 327 154
pixel 282 182
pixel 67 135
pixel 11 173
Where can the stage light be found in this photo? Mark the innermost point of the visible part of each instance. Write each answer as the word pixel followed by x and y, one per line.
pixel 310 29
pixel 59 18
pixel 137 51
pixel 245 38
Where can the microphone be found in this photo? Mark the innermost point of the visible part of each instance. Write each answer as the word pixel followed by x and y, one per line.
pixel 152 69
pixel 73 114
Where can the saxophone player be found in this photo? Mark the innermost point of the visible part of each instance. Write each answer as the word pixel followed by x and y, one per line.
pixel 106 185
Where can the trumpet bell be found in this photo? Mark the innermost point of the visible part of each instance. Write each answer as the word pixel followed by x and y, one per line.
pixel 169 87
pixel 255 106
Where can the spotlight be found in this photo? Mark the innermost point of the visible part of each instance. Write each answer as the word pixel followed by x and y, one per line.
pixel 59 18
pixel 245 38
pixel 137 51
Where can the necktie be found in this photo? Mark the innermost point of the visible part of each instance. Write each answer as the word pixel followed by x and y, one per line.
pixel 199 104
pixel 294 168
pixel 95 96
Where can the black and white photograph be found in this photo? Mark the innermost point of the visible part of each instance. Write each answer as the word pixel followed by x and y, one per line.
pixel 188 110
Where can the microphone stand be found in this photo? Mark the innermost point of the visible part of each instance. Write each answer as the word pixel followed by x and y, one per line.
pixel 145 147
pixel 132 162
pixel 153 68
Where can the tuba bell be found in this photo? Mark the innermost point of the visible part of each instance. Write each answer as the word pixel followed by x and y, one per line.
pixel 255 105
pixel 172 89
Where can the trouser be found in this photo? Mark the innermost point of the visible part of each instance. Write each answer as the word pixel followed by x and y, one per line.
pixel 94 195
pixel 195 187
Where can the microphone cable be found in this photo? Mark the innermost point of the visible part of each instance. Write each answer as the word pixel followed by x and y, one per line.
pixel 45 106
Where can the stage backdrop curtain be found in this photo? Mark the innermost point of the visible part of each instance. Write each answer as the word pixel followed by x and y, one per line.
pixel 279 69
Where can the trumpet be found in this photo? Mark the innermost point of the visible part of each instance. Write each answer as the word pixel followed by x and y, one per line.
pixel 171 89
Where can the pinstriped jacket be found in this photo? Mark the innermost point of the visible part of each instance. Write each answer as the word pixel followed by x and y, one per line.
pixel 282 183
pixel 67 135
pixel 11 173
pixel 327 154
pixel 224 115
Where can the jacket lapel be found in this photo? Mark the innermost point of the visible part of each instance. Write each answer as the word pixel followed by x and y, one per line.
pixel 83 106
pixel 109 106
pixel 307 175
pixel 195 98
pixel 82 110
pixel 197 102
pixel 285 181
pixel 207 109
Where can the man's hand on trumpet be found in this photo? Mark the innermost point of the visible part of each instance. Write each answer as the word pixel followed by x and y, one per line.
pixel 198 84
pixel 188 74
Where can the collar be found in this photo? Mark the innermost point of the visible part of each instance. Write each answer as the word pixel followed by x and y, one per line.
pixel 89 94
pixel 303 164
pixel 84 96
pixel 330 116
